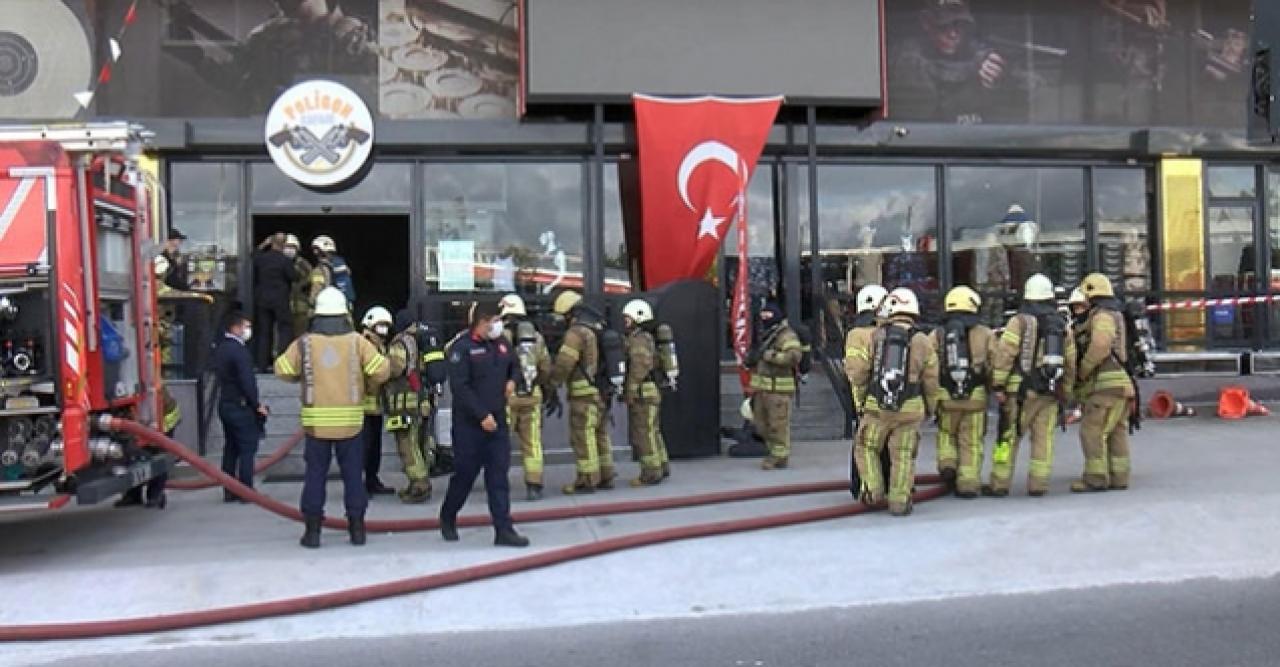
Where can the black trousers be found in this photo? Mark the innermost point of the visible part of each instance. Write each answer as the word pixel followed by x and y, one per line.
pixel 318 455
pixel 240 441
pixel 372 435
pixel 274 321
pixel 475 451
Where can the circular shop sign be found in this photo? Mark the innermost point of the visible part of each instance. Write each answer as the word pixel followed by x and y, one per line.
pixel 319 133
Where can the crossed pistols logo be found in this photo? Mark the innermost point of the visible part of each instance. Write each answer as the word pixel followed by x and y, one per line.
pixel 319 133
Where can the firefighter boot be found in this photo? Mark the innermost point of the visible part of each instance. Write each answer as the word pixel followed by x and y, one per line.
pixel 607 475
pixel 648 477
pixel 508 537
pixel 417 493
pixel 355 528
pixel 311 537
pixel 1082 486
pixel 772 463
pixel 533 493
pixel 581 485
pixel 992 492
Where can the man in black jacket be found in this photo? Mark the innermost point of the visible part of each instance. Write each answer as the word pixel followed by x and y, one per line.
pixel 482 375
pixel 238 404
pixel 273 276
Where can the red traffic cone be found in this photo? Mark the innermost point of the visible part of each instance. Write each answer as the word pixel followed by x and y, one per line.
pixel 1256 409
pixel 1233 402
pixel 1163 406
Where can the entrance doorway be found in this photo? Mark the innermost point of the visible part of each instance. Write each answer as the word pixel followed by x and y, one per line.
pixel 376 248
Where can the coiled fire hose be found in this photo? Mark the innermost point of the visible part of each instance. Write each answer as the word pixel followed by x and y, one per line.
pixel 316 602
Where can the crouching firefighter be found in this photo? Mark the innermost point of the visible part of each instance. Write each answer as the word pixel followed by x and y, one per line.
pixel 641 394
pixel 900 383
pixel 857 350
pixel 1105 389
pixel 524 407
pixel 774 363
pixel 334 364
pixel 588 368
pixel 964 346
pixel 1034 364
pixel 407 403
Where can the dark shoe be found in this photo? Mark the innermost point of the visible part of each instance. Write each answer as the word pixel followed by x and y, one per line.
pixel 355 528
pixel 581 485
pixel 533 493
pixel 311 538
pixel 510 538
pixel 449 529
pixel 1036 493
pixel 158 502
pixel 903 510
pixel 228 497
pixel 416 494
pixel 992 492
pixel 666 470
pixel 1081 486
pixel 967 495
pixel 377 488
pixel 129 499
pixel 606 483
pixel 948 477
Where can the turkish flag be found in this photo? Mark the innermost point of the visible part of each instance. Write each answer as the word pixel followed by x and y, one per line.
pixel 696 157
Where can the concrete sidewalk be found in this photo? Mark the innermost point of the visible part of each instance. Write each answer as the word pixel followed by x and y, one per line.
pixel 1203 503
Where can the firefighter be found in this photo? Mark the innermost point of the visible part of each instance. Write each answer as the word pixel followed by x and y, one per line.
pixel 325 361
pixel 330 270
pixel 857 349
pixel 1079 307
pixel 1033 367
pixel 375 326
pixel 774 363
pixel 300 288
pixel 900 382
pixel 640 393
pixel 482 376
pixel 964 370
pixel 575 368
pixel 524 408
pixel 1105 390
pixel 407 405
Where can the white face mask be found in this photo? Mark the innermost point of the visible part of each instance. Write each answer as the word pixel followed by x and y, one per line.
pixel 495 330
pixel 246 334
pixel 382 330
pixel 290 252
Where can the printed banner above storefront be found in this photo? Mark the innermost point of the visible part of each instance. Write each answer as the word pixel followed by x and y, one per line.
pixel 408 59
pixel 696 157
pixel 1089 62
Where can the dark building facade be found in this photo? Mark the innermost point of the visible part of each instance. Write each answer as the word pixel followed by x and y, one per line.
pixel 924 143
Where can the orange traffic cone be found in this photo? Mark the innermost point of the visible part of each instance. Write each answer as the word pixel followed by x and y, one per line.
pixel 1233 402
pixel 1256 409
pixel 1163 406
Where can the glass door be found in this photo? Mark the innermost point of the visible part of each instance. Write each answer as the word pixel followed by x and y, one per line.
pixel 1234 268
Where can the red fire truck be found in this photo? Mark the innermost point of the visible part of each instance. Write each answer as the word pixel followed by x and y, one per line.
pixel 77 309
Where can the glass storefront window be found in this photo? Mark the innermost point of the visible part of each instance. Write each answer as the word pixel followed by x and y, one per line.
pixel 386 184
pixel 503 227
pixel 1007 223
pixel 617 261
pixel 1236 182
pixel 1232 270
pixel 205 204
pixel 1122 214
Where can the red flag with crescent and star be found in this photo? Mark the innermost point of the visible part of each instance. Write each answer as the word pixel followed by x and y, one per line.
pixel 696 159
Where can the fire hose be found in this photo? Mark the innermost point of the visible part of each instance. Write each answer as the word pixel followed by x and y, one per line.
pixel 316 602
pixel 261 467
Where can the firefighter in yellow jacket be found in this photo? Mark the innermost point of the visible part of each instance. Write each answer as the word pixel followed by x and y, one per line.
pixel 900 384
pixel 300 289
pixel 1105 389
pixel 774 363
pixel 964 369
pixel 524 407
pixel 575 367
pixel 641 394
pixel 407 407
pixel 375 326
pixel 1033 367
pixel 334 364
pixel 857 349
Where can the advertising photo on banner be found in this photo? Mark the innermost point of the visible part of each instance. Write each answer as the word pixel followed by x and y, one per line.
pixel 1103 62
pixel 408 59
pixel 696 159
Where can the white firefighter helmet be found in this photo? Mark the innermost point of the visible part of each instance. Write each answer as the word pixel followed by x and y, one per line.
pixel 1038 288
pixel 870 297
pixel 160 265
pixel 903 301
pixel 638 310
pixel 324 244
pixel 512 304
pixel 375 316
pixel 331 301
pixel 291 240
pixel 1077 298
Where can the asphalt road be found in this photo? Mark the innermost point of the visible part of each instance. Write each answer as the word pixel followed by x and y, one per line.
pixel 1201 622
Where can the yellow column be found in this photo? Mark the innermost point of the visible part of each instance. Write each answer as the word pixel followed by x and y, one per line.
pixel 1182 236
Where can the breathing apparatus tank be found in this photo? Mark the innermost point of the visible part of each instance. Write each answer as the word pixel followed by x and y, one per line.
pixel 668 359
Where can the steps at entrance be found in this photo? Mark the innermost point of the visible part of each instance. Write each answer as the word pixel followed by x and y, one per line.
pixel 816 414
